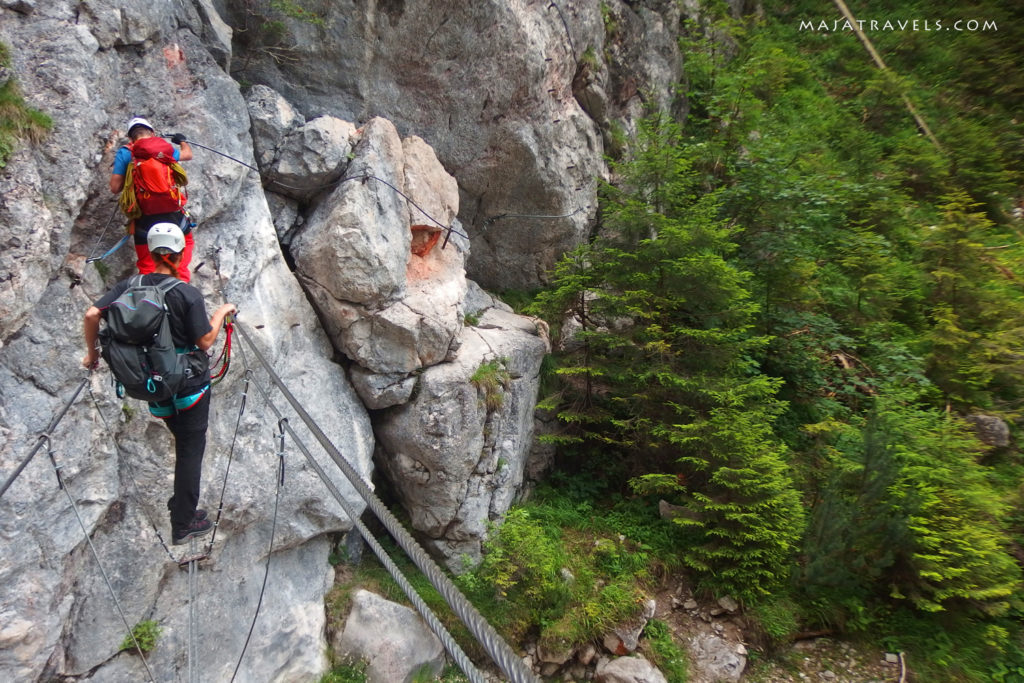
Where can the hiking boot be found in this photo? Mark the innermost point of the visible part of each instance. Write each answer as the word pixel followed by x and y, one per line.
pixel 200 513
pixel 198 527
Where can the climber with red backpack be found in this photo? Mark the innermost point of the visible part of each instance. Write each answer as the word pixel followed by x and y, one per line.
pixel 152 185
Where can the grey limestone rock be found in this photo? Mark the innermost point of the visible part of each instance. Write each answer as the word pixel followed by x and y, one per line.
pixel 471 110
pixel 517 99
pixel 393 640
pixel 71 62
pixel 991 430
pixel 456 457
pixel 627 670
pixel 715 658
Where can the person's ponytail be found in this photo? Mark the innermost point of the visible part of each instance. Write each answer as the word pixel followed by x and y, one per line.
pixel 169 260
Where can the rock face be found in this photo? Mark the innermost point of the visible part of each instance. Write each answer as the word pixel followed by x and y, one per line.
pixel 521 100
pixel 392 296
pixel 389 138
pixel 91 67
pixel 393 641
pixel 627 670
pixel 458 450
pixel 386 307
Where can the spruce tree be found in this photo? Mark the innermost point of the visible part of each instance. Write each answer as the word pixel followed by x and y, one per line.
pixel 663 374
pixel 907 513
pixel 976 309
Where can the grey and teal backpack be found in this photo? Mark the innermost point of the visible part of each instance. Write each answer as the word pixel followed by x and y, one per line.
pixel 137 345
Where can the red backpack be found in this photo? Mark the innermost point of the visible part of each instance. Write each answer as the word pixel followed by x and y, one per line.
pixel 155 182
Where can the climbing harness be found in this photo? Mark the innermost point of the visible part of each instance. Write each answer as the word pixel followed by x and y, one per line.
pixel 492 643
pixel 186 222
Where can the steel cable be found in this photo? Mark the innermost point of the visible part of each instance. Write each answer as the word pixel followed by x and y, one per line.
pixel 507 660
pixel 362 176
pixel 193 619
pixel 92 253
pixel 227 468
pixel 565 24
pixel 449 230
pixel 44 437
pixel 270 550
pixel 88 539
pixel 488 221
pixel 463 661
pixel 125 462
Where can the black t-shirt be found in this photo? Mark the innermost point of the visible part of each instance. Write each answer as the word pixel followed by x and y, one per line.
pixel 188 317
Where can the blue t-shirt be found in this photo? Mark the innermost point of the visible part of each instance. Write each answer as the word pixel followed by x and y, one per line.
pixel 124 157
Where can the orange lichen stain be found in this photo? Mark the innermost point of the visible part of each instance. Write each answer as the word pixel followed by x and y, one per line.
pixel 420 269
pixel 174 55
pixel 424 238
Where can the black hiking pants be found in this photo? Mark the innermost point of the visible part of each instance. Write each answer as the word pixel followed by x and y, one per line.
pixel 189 429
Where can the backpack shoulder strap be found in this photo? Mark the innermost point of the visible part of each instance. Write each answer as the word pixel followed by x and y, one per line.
pixel 135 281
pixel 167 284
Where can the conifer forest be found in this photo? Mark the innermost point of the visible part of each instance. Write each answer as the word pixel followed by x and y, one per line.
pixel 800 325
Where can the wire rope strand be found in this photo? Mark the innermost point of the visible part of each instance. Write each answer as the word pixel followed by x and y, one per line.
pixel 448 228
pixel 270 550
pixel 227 468
pixel 129 469
pixel 193 621
pixel 435 625
pixel 565 24
pixel 493 643
pixel 488 221
pixel 226 156
pixel 92 253
pixel 43 437
pixel 99 563
pixel 362 176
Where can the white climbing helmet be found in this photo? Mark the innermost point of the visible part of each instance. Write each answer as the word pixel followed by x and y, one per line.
pixel 165 236
pixel 138 121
